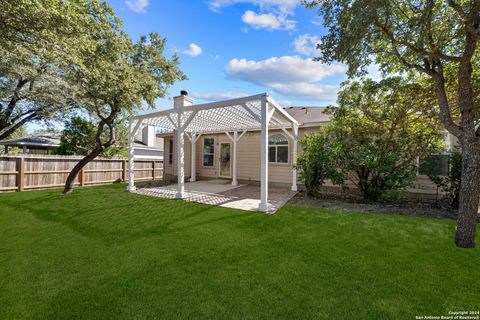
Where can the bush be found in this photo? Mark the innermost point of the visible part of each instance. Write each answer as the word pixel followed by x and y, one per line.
pixel 317 162
pixel 450 184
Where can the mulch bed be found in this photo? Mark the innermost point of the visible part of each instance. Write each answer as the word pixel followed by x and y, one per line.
pixel 410 207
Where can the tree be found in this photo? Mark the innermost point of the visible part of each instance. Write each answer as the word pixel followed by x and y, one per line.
pixel 117 77
pixel 434 38
pixel 382 129
pixel 39 41
pixel 78 138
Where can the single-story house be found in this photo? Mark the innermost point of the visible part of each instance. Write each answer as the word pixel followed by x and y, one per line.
pixel 43 143
pixel 148 144
pixel 246 140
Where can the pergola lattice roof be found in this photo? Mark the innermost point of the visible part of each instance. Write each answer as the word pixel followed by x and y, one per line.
pixel 230 115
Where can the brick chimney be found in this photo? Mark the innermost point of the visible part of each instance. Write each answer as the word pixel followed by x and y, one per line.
pixel 183 100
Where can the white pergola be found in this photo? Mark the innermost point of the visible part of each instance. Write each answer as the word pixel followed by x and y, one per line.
pixel 232 117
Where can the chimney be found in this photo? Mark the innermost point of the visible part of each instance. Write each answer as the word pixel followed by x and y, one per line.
pixel 183 100
pixel 148 136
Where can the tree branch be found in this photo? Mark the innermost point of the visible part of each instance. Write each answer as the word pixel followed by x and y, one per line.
pixel 11 130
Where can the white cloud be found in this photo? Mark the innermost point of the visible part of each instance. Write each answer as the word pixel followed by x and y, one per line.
pixel 218 96
pixel 268 21
pixel 286 69
pixel 193 50
pixel 282 5
pixel 138 6
pixel 307 91
pixel 306 45
pixel 291 76
pixel 273 16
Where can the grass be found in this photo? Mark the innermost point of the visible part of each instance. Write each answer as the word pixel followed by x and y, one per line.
pixel 101 253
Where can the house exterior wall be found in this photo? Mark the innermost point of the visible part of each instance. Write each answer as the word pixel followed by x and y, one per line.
pixel 248 162
pixel 248 158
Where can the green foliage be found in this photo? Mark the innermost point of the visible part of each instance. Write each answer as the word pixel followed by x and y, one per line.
pixel 20 133
pixel 78 138
pixel 382 128
pixel 450 184
pixel 41 41
pixel 317 162
pixel 119 77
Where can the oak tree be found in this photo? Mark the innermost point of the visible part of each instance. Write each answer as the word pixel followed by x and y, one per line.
pixel 433 38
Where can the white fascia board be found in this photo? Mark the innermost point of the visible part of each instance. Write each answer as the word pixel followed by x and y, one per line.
pixel 281 110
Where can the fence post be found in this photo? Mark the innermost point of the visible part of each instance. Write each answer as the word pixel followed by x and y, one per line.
pixel 153 170
pixel 124 168
pixel 20 174
pixel 82 177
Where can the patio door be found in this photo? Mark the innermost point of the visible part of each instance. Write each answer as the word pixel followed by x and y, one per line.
pixel 225 156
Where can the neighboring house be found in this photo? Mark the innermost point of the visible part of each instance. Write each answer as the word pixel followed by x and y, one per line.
pixel 44 143
pixel 148 145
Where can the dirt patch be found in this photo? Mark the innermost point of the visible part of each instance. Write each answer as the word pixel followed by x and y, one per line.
pixel 343 202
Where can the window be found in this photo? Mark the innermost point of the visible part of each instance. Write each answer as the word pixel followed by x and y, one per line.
pixel 208 152
pixel 170 151
pixel 437 165
pixel 278 148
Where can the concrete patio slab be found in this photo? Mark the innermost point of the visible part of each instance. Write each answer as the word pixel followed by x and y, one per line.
pixel 221 193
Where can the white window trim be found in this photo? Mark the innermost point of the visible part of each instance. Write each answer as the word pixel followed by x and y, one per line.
pixel 276 152
pixel 214 151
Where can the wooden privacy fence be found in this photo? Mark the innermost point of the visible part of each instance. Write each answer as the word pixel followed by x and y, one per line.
pixel 19 173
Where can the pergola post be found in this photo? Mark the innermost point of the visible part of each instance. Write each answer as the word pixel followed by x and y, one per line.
pixel 234 169
pixel 263 207
pixel 294 160
pixel 180 157
pixel 132 131
pixel 193 140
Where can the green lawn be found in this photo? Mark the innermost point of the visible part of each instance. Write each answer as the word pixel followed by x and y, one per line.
pixel 101 253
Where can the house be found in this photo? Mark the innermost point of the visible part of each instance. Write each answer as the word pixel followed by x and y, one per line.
pixel 247 140
pixel 42 143
pixel 214 152
pixel 148 145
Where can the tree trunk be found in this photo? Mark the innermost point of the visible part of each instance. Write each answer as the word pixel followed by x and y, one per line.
pixel 469 194
pixel 82 163
pixel 100 147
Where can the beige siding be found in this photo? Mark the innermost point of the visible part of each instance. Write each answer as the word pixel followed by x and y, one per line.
pixel 248 158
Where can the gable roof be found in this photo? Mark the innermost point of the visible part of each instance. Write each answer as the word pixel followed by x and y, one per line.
pixel 308 115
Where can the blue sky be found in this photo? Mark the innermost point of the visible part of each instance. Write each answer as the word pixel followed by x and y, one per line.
pixel 231 48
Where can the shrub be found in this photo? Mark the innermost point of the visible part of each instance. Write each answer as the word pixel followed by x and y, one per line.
pixel 317 162
pixel 450 184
